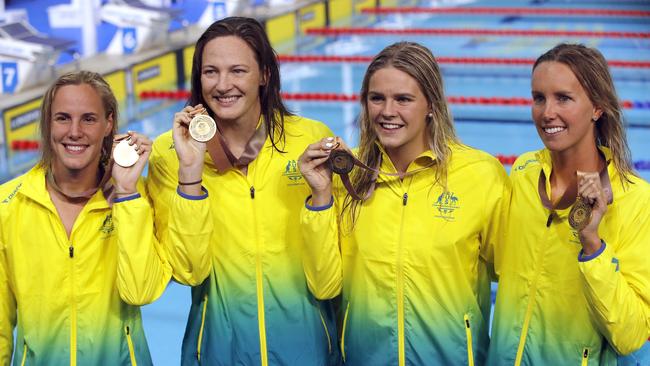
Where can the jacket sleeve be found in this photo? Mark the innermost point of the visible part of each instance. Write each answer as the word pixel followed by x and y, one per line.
pixel 7 311
pixel 143 271
pixel 183 224
pixel 617 284
pixel 321 251
pixel 497 206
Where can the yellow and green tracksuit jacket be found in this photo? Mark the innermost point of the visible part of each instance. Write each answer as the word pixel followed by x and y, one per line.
pixel 254 308
pixel 69 296
pixel 556 308
pixel 415 269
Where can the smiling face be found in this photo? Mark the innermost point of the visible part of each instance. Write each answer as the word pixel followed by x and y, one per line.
pixel 231 80
pixel 563 113
pixel 78 126
pixel 398 112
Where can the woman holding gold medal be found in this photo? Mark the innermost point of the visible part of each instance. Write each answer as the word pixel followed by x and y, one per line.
pixel 574 273
pixel 407 236
pixel 77 248
pixel 254 308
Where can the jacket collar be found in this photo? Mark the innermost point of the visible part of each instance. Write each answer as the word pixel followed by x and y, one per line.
pixel 425 159
pixel 34 188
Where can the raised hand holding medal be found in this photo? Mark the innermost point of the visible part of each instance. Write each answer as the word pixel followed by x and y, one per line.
pixel 589 209
pixel 192 129
pixel 314 168
pixel 130 155
pixel 331 155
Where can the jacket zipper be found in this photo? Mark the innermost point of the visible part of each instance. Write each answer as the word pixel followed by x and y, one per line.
pixel 585 357
pixel 73 313
pixel 470 350
pixel 200 340
pixel 129 342
pixel 260 287
pixel 345 323
pixel 400 289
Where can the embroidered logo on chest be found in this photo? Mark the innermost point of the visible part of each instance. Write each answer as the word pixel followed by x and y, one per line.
pixel 107 225
pixel 446 206
pixel 292 174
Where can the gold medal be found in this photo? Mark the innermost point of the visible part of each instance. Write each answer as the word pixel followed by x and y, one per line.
pixel 202 128
pixel 580 214
pixel 125 155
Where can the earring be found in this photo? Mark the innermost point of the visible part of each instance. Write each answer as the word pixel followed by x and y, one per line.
pixel 430 115
pixel 594 119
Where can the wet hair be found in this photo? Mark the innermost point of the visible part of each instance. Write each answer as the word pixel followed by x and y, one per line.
pixel 418 62
pixel 590 68
pixel 251 32
pixel 97 82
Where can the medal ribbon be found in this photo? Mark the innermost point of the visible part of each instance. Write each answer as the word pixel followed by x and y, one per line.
pixel 223 157
pixel 342 161
pixel 570 196
pixel 104 184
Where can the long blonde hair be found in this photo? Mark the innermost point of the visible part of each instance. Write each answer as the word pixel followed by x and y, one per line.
pixel 590 68
pixel 418 62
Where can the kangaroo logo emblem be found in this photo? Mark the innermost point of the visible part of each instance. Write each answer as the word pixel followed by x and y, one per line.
pixel 446 205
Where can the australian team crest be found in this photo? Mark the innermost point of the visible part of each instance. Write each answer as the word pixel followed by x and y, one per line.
pixel 107 225
pixel 446 204
pixel 292 173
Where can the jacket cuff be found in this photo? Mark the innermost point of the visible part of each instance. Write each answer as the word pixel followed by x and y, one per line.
pixel 127 198
pixel 318 208
pixel 193 197
pixel 585 258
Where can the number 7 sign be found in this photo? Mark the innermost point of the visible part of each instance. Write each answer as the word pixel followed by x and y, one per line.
pixel 9 76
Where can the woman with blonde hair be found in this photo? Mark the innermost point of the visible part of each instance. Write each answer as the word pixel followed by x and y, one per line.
pixel 574 274
pixel 410 245
pixel 77 245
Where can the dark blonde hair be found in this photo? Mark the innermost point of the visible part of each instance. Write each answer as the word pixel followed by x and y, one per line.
pixel 590 68
pixel 109 102
pixel 418 62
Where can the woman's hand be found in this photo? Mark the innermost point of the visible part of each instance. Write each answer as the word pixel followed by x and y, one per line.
pixel 191 153
pixel 315 170
pixel 126 179
pixel 590 189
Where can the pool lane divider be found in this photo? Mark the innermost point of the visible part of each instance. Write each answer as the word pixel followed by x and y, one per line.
pixel 337 31
pixel 508 11
pixel 446 60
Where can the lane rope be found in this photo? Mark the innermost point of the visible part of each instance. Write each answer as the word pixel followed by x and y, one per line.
pixel 508 11
pixel 335 31
pixel 447 60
